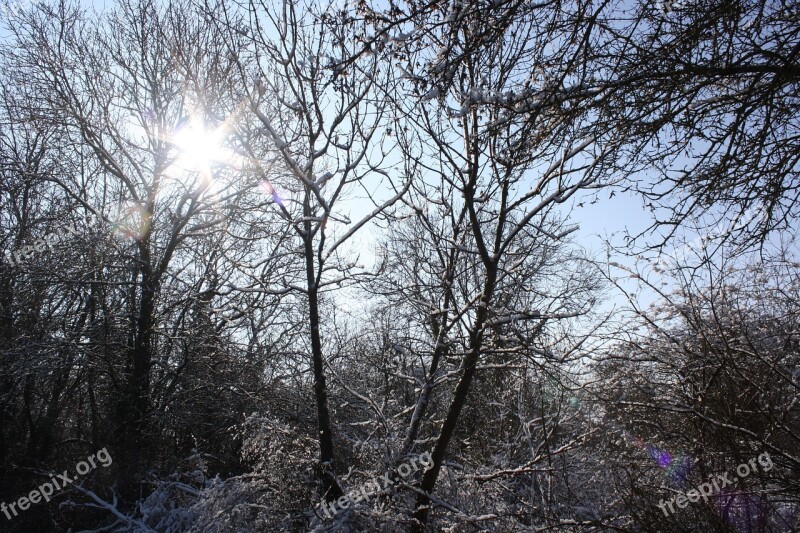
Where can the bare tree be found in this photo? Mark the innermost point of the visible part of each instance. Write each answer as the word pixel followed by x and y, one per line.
pixel 500 150
pixel 121 93
pixel 706 97
pixel 328 126
pixel 708 382
pixel 702 95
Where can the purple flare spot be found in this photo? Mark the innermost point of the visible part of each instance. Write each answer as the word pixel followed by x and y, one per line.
pixel 664 459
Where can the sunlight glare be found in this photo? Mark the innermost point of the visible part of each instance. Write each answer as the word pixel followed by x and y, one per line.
pixel 199 147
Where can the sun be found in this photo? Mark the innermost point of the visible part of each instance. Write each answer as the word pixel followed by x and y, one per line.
pixel 201 151
pixel 198 146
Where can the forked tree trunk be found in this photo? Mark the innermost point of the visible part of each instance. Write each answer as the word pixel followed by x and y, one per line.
pixel 459 399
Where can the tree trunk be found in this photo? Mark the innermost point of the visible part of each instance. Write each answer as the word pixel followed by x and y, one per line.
pixel 329 486
pixel 459 399
pixel 134 410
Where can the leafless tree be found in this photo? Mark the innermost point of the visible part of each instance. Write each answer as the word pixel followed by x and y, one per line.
pixel 329 128
pixel 706 380
pixel 120 92
pixel 498 151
